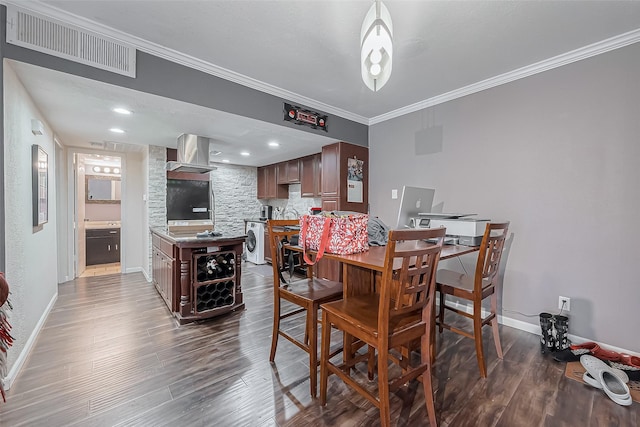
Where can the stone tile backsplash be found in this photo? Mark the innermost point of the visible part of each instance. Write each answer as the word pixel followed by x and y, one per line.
pixel 235 195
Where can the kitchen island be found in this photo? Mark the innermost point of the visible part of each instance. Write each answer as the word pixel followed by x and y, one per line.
pixel 197 277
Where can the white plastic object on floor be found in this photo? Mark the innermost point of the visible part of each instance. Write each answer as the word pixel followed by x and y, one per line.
pixel 610 382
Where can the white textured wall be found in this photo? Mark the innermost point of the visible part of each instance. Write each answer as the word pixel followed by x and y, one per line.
pixel 156 193
pixel 31 254
pixel 103 211
pixel 81 207
pixel 145 239
pixel 134 228
pixel 64 231
pixel 557 154
pixel 235 190
pixel 295 203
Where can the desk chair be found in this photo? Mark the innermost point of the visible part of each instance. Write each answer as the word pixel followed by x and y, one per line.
pixel 307 294
pixel 475 289
pixel 395 318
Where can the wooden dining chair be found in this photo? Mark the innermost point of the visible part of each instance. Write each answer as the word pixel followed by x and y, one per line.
pixel 475 289
pixel 390 321
pixel 305 293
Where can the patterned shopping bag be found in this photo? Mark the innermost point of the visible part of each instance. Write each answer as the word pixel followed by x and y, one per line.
pixel 334 232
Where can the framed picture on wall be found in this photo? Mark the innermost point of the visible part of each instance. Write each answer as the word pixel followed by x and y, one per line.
pixel 40 187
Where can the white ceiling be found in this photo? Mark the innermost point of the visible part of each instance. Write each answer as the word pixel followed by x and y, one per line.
pixel 309 50
pixel 79 110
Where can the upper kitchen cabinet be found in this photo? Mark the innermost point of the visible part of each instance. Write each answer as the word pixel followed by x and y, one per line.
pixel 268 187
pixel 311 176
pixel 288 172
pixel 345 187
pixel 345 177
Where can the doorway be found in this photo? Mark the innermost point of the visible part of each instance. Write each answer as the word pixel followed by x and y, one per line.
pixel 98 210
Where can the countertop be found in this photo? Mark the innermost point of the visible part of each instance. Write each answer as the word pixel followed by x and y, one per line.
pixel 263 221
pixel 190 236
pixel 95 225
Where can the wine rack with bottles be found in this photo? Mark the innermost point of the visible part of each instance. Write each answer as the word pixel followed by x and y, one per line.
pixel 199 278
pixel 214 281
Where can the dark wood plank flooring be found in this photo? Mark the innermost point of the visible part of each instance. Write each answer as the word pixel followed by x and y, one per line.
pixel 111 354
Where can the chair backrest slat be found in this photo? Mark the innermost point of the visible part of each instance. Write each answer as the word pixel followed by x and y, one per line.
pixel 490 254
pixel 279 231
pixel 407 289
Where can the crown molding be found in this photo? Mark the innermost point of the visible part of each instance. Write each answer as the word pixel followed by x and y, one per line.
pixel 183 59
pixel 585 52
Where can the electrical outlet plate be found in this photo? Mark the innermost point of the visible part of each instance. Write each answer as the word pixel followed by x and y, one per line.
pixel 567 303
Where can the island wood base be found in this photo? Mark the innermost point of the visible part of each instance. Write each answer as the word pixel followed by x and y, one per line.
pixel 198 278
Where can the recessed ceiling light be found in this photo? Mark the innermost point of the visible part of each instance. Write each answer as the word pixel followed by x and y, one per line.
pixel 274 144
pixel 245 153
pixel 225 160
pixel 121 111
pixel 116 130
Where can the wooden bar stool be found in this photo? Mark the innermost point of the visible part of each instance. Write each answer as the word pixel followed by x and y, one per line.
pixel 307 293
pixel 475 289
pixel 391 321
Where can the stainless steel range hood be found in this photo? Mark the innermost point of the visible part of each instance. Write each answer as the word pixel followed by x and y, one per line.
pixel 194 154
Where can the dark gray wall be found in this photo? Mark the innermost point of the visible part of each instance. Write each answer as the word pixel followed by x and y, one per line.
pixel 165 78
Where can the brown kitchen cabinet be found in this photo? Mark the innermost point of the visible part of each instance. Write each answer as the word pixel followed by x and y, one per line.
pixel 162 267
pixel 334 176
pixel 262 182
pixel 102 246
pixel 288 172
pixel 334 191
pixel 268 187
pixel 293 171
pixel 281 173
pixel 330 171
pixel 311 176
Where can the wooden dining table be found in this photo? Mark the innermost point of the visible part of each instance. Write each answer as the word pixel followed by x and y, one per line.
pixel 362 272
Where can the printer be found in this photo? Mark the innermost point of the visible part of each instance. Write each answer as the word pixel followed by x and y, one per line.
pixel 467 231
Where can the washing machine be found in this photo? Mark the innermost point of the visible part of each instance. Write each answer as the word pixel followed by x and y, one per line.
pixel 255 242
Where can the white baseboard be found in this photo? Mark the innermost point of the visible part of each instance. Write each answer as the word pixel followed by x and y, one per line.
pixel 22 357
pixel 535 328
pixel 519 324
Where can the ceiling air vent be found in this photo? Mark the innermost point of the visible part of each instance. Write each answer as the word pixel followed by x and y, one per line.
pixel 38 32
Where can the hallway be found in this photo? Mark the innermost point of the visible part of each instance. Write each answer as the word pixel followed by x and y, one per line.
pixel 101 270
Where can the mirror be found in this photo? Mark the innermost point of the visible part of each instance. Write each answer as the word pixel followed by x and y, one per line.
pixel 102 189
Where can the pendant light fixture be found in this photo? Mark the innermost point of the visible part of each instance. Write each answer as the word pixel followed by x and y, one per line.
pixel 376 48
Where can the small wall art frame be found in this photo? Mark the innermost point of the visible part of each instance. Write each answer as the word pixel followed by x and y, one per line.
pixel 40 185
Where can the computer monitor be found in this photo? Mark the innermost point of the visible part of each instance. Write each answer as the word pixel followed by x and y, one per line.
pixel 414 200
